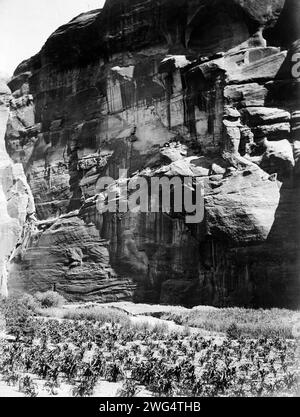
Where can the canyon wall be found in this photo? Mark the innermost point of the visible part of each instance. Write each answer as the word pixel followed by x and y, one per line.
pixel 192 88
pixel 16 200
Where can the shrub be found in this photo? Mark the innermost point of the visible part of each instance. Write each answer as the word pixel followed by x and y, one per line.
pixel 233 332
pixel 186 330
pixel 160 329
pixel 17 312
pixel 129 389
pixel 50 299
pixel 30 302
pixel 27 386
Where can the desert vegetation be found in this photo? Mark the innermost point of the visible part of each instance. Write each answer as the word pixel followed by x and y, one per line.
pixel 90 346
pixel 248 323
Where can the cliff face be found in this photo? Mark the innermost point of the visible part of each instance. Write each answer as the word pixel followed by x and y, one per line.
pixel 199 88
pixel 16 201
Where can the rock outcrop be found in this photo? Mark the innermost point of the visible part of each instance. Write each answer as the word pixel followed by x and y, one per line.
pixel 16 200
pixel 200 88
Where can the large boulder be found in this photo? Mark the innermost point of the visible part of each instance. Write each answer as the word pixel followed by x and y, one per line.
pixel 278 157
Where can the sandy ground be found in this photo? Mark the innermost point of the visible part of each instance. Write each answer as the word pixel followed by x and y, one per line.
pixel 7 391
pixel 103 389
pixel 145 313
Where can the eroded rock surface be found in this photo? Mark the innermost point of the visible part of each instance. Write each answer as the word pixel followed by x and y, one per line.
pixel 16 200
pixel 199 88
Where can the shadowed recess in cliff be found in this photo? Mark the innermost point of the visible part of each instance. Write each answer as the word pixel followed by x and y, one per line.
pixel 201 26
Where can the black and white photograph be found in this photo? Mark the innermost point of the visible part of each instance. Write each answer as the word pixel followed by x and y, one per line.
pixel 149 204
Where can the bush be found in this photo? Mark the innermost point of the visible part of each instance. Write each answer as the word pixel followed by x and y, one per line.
pixel 129 389
pixel 17 312
pixel 27 386
pixel 50 299
pixel 29 302
pixel 233 332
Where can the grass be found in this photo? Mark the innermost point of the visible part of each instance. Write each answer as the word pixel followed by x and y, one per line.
pixel 250 323
pixel 103 315
pixel 56 312
pixel 159 329
pixel 96 314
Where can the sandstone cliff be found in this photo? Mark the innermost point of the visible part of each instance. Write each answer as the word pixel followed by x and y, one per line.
pixel 16 200
pixel 192 87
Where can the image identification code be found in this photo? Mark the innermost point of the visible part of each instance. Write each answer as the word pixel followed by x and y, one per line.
pixel 151 406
